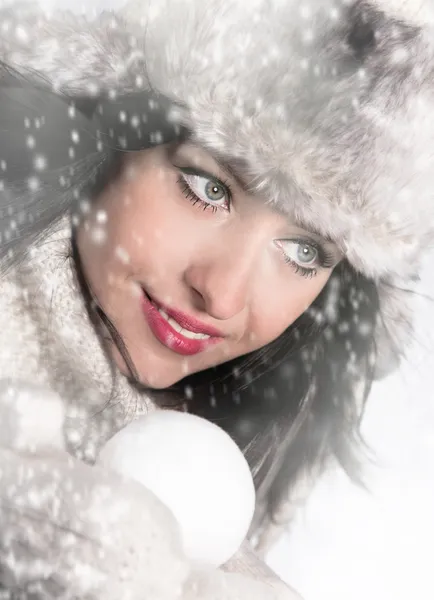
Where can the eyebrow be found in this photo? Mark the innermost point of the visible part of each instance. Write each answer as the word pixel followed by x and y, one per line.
pixel 315 233
pixel 234 168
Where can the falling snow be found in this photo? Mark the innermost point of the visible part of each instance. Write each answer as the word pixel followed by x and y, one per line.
pixel 303 119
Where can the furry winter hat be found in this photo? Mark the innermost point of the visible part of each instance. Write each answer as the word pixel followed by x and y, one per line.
pixel 325 108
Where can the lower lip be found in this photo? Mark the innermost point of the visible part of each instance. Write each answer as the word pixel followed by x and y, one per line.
pixel 171 338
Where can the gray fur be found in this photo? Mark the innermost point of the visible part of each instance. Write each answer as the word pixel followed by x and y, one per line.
pixel 338 137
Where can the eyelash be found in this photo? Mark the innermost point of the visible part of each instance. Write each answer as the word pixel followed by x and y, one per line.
pixel 193 197
pixel 303 271
pixel 326 259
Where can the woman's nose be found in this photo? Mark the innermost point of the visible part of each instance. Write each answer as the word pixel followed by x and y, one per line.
pixel 222 282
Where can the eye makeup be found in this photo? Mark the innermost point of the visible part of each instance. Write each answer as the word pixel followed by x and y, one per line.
pixel 194 179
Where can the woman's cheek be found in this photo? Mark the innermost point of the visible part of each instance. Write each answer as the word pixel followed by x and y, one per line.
pixel 280 307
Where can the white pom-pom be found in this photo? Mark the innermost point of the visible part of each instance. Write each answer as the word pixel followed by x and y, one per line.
pixel 198 471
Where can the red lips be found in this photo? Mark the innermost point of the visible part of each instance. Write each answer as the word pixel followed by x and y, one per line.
pixel 170 337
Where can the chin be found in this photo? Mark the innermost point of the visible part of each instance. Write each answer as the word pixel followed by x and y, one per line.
pixel 159 380
pixel 146 378
pixel 154 384
pixel 157 374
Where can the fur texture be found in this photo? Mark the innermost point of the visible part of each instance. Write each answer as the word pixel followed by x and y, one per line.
pixel 326 109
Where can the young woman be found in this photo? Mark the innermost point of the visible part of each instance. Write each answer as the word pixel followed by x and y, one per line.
pixel 217 209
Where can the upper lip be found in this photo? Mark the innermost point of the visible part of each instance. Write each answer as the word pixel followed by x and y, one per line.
pixel 185 320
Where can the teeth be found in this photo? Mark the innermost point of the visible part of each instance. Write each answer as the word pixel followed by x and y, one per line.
pixel 185 332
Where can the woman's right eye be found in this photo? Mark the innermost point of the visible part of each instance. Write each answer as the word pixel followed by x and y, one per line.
pixel 208 192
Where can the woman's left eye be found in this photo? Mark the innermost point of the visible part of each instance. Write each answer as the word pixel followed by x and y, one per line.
pixel 204 190
pixel 303 256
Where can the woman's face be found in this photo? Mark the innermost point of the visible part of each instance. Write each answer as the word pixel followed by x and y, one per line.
pixel 192 270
